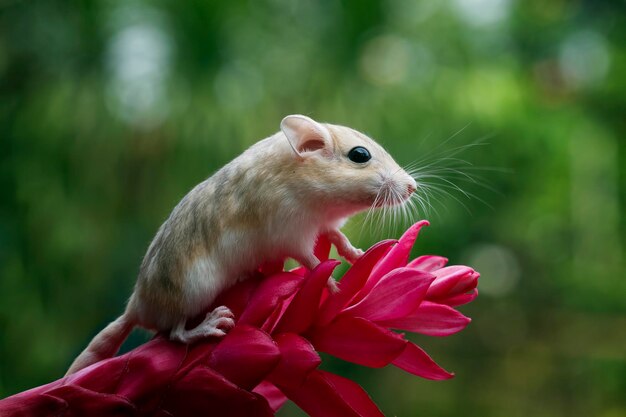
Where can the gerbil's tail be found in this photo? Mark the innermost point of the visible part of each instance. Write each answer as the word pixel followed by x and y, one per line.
pixel 105 345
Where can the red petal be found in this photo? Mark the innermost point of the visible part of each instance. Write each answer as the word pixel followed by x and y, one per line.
pixel 299 271
pixel 353 394
pixel 417 362
pixel 272 394
pixel 452 280
pixel 134 374
pixel 237 297
pixel 298 359
pixel 397 257
pixel 358 340
pixel 428 263
pixel 271 322
pixel 203 391
pixel 328 395
pixel 83 402
pixel 397 294
pixel 198 354
pixel 149 368
pixel 460 299
pixel 352 281
pixel 102 376
pixel 267 296
pixel 304 306
pixel 322 248
pixel 32 403
pixel 431 319
pixel 245 356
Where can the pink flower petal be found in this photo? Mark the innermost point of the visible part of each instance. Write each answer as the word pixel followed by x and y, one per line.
pixel 452 280
pixel 298 359
pixel 272 394
pixel 417 362
pixel 273 319
pixel 30 403
pixel 92 377
pixel 83 402
pixel 322 248
pixel 428 263
pixel 203 391
pixel 268 295
pixel 431 319
pixel 359 341
pixel 299 271
pixel 126 374
pixel 237 297
pixel 328 395
pixel 197 354
pixel 460 299
pixel 304 306
pixel 148 369
pixel 353 394
pixel 397 294
pixel 352 281
pixel 245 356
pixel 397 257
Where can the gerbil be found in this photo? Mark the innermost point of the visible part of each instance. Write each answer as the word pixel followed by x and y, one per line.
pixel 269 203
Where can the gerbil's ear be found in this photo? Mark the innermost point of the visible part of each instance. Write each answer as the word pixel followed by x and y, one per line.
pixel 305 135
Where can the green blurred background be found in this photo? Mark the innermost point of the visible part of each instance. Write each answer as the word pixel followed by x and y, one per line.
pixel 110 111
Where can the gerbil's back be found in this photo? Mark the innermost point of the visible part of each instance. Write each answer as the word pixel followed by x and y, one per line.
pixel 226 212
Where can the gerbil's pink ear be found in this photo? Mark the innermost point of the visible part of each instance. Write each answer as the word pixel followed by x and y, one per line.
pixel 305 135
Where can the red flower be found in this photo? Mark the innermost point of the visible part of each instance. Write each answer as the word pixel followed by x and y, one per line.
pixel 271 354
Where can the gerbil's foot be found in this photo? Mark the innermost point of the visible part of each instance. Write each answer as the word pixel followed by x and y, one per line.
pixel 332 286
pixel 216 323
pixel 353 254
pixel 343 245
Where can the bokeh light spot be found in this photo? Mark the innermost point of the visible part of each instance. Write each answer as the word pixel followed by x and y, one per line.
pixel 584 59
pixel 138 63
pixel 498 266
pixel 482 12
pixel 385 60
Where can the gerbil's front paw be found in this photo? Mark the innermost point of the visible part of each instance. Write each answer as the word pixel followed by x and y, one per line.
pixel 332 286
pixel 353 255
pixel 217 322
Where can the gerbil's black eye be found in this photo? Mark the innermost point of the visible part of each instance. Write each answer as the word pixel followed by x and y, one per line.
pixel 359 155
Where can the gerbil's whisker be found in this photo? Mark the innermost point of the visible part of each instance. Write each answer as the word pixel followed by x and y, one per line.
pixel 369 217
pixel 440 174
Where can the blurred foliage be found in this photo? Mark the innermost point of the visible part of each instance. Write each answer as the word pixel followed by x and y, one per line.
pixel 110 111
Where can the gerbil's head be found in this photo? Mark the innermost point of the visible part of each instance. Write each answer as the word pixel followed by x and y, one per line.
pixel 343 167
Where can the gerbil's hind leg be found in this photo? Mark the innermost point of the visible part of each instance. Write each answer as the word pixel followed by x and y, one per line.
pixel 216 323
pixel 343 245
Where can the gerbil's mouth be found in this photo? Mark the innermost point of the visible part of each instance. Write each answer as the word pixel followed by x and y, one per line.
pixel 390 196
pixel 410 189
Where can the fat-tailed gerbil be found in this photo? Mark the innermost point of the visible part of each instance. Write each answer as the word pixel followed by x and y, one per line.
pixel 270 203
